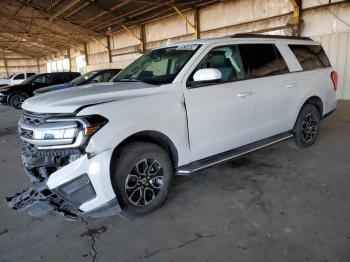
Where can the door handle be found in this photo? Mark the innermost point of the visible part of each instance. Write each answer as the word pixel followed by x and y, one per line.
pixel 243 95
pixel 291 86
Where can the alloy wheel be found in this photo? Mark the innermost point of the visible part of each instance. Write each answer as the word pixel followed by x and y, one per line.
pixel 18 101
pixel 309 127
pixel 144 182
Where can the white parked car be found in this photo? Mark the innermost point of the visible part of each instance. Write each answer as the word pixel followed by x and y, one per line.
pixel 15 79
pixel 105 148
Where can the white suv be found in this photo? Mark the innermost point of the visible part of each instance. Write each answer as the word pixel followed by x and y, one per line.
pixel 104 148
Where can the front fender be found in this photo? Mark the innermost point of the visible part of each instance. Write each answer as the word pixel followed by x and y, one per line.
pixel 164 113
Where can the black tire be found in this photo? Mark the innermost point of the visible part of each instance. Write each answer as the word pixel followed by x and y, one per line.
pixel 16 100
pixel 307 126
pixel 133 181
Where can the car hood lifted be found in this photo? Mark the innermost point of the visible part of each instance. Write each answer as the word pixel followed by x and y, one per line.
pixel 70 100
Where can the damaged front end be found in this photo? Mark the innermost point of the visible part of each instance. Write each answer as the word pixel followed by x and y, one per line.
pixel 39 200
pixel 49 143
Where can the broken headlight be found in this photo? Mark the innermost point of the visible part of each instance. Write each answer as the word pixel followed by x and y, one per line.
pixel 61 132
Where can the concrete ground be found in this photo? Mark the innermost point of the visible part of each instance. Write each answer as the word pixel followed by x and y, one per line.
pixel 277 204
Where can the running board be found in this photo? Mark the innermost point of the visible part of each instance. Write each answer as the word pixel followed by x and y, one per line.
pixel 232 154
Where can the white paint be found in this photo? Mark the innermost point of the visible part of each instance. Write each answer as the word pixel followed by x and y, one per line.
pixel 200 122
pixel 207 74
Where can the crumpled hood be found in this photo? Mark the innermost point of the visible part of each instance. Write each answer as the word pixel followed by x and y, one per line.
pixel 69 100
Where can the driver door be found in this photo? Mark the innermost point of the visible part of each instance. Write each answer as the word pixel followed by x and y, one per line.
pixel 220 115
pixel 41 81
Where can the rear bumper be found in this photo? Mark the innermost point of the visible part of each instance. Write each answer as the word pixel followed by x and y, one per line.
pixel 328 114
pixel 81 188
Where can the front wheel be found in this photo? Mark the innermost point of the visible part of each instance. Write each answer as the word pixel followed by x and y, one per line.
pixel 17 100
pixel 307 126
pixel 141 177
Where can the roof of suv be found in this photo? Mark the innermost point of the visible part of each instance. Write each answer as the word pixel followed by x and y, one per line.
pixel 247 37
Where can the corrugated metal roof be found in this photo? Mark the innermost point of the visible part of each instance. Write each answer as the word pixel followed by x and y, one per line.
pixel 36 27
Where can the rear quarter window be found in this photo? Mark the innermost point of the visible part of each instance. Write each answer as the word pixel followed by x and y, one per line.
pixel 310 57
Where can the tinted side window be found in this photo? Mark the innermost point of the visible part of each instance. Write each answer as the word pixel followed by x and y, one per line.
pixel 19 77
pixel 30 74
pixel 43 79
pixel 310 56
pixel 60 78
pixel 261 60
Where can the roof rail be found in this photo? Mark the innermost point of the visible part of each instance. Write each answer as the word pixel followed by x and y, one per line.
pixel 246 35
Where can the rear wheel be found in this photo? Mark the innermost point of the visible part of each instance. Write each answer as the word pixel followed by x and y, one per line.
pixel 307 126
pixel 141 177
pixel 17 100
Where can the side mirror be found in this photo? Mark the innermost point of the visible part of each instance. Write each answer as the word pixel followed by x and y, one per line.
pixel 207 75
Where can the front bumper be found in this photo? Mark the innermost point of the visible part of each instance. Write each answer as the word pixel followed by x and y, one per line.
pixel 80 188
pixel 3 99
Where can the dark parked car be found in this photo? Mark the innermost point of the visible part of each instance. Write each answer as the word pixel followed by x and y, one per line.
pixel 15 95
pixel 96 76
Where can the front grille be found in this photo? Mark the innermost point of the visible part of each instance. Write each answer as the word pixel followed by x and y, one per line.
pixel 41 163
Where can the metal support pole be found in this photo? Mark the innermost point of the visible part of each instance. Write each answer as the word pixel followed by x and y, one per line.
pixel 38 64
pixel 197 23
pixel 194 27
pixel 296 20
pixel 109 49
pixel 86 54
pixel 69 62
pixel 5 63
pixel 143 38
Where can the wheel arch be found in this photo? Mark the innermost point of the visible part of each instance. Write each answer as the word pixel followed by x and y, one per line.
pixel 151 136
pixel 317 102
pixel 16 93
pixel 313 100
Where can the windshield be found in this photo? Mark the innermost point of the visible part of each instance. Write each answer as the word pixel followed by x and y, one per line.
pixel 79 80
pixel 159 66
pixel 29 79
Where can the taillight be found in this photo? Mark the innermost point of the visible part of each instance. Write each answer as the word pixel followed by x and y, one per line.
pixel 334 76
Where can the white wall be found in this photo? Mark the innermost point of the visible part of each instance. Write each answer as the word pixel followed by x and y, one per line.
pixel 337 47
pixel 331 27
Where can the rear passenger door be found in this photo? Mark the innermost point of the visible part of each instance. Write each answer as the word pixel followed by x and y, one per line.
pixel 274 89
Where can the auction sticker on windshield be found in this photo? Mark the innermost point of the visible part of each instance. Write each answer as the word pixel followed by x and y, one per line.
pixel 187 47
